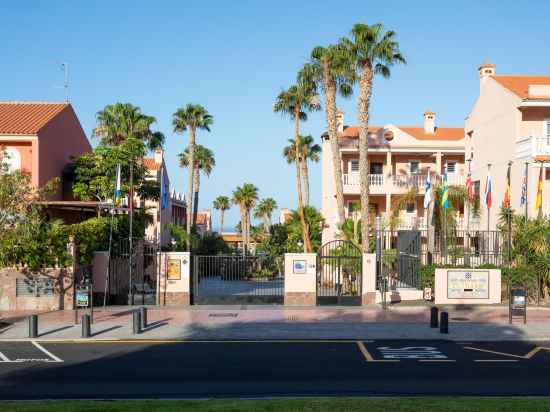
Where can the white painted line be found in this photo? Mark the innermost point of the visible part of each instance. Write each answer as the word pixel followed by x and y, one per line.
pixel 51 355
pixel 495 360
pixel 4 358
pixel 436 360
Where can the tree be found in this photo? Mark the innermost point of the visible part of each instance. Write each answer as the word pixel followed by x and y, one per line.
pixel 315 223
pixel 190 118
pixel 205 162
pixel 264 210
pixel 221 203
pixel 309 151
pixel 95 172
pixel 373 51
pixel 331 70
pixel 245 197
pixel 120 121
pixel 295 102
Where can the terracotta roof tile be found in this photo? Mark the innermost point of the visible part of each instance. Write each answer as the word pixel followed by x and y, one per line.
pixel 149 163
pixel 27 117
pixel 519 85
pixel 441 133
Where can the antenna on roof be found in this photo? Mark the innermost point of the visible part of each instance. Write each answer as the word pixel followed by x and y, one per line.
pixel 65 67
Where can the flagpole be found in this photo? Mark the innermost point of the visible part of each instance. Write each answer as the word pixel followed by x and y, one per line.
pixel 160 232
pixel 487 189
pixel 526 191
pixel 509 214
pixel 131 205
pixel 468 206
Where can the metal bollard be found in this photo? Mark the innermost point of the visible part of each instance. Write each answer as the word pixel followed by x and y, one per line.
pixel 434 315
pixel 86 328
pixel 444 326
pixel 137 322
pixel 143 314
pixel 33 326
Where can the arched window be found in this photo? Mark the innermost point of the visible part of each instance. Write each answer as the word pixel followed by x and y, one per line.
pixel 12 158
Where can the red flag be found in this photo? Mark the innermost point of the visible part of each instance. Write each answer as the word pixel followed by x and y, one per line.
pixel 507 190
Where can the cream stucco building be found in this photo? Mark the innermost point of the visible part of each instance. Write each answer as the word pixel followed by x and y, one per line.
pixel 509 121
pixel 400 158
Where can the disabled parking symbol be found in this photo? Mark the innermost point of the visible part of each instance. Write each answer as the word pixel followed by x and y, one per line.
pixel 411 352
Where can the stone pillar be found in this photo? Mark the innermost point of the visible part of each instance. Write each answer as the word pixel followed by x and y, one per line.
pixel 300 279
pixel 174 285
pixel 388 171
pixel 369 279
pixel 388 207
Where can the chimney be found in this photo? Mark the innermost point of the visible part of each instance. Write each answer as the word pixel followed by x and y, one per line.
pixel 486 70
pixel 429 122
pixel 159 155
pixel 339 121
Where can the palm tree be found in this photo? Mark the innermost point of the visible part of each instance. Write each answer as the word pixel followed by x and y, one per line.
pixel 264 210
pixel 331 70
pixel 205 162
pixel 221 203
pixel 245 197
pixel 309 151
pixel 295 102
pixel 120 121
pixel 373 52
pixel 191 117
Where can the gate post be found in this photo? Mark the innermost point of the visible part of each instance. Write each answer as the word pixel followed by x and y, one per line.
pixel 175 278
pixel 369 279
pixel 300 279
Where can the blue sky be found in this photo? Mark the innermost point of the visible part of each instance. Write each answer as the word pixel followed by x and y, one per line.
pixel 234 57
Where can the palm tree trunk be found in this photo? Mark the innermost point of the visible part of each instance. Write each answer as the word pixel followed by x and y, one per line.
pixel 247 219
pixel 363 104
pixel 267 223
pixel 197 184
pixel 305 229
pixel 330 110
pixel 190 181
pixel 305 176
pixel 221 220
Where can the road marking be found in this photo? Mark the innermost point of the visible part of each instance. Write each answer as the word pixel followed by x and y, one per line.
pixel 161 341
pixel 436 360
pixel 411 352
pixel 47 352
pixel 496 360
pixel 369 357
pixel 4 358
pixel 528 355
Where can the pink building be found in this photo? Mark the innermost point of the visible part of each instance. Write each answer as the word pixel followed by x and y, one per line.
pixel 41 138
pixel 400 157
pixel 510 121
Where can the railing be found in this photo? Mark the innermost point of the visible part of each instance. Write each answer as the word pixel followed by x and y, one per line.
pixel 402 181
pixel 354 180
pixel 533 147
pixel 541 146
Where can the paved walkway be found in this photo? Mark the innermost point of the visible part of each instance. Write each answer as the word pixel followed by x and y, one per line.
pixel 272 323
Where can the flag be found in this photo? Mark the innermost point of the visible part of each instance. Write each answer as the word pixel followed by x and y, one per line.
pixel 524 188
pixel 427 191
pixel 488 189
pixel 164 190
pixel 507 190
pixel 117 186
pixel 470 188
pixel 538 202
pixel 445 196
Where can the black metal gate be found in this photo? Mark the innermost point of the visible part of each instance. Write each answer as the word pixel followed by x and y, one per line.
pixel 142 262
pixel 339 274
pixel 400 267
pixel 237 279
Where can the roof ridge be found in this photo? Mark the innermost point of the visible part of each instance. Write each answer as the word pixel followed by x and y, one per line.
pixel 521 75
pixel 33 102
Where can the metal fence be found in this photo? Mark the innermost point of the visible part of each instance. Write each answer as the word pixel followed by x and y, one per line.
pixel 236 279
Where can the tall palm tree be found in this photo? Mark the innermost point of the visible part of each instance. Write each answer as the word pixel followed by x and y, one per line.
pixel 221 203
pixel 190 118
pixel 264 210
pixel 120 121
pixel 331 70
pixel 373 51
pixel 295 102
pixel 204 162
pixel 245 197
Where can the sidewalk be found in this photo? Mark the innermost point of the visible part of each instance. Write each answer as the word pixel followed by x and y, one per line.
pixel 281 323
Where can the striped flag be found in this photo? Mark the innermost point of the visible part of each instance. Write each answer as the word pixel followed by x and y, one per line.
pixel 538 202
pixel 524 188
pixel 117 186
pixel 164 190
pixel 427 191
pixel 488 190
pixel 445 196
pixel 507 190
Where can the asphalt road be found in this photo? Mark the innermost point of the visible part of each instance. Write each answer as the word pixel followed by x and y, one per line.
pixel 257 369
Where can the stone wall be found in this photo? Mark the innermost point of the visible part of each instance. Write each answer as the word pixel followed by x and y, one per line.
pixel 62 298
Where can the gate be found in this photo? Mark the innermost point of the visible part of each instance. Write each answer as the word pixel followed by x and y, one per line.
pixel 400 267
pixel 339 274
pixel 237 279
pixel 142 262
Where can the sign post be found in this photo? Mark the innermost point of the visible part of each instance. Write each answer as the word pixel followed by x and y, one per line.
pixel 517 305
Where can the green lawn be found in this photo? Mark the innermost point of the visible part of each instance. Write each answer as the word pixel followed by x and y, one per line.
pixel 424 404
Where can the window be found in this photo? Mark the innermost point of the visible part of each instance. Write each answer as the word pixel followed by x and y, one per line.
pixel 451 167
pixel 547 175
pixel 415 167
pixel 410 207
pixel 12 158
pixel 354 166
pixel 376 168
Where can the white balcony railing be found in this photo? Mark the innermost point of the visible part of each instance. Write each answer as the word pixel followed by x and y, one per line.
pixel 541 146
pixel 533 147
pixel 399 182
pixel 354 180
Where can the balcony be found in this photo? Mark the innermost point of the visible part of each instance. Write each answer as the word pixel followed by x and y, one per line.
pixel 395 184
pixel 533 147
